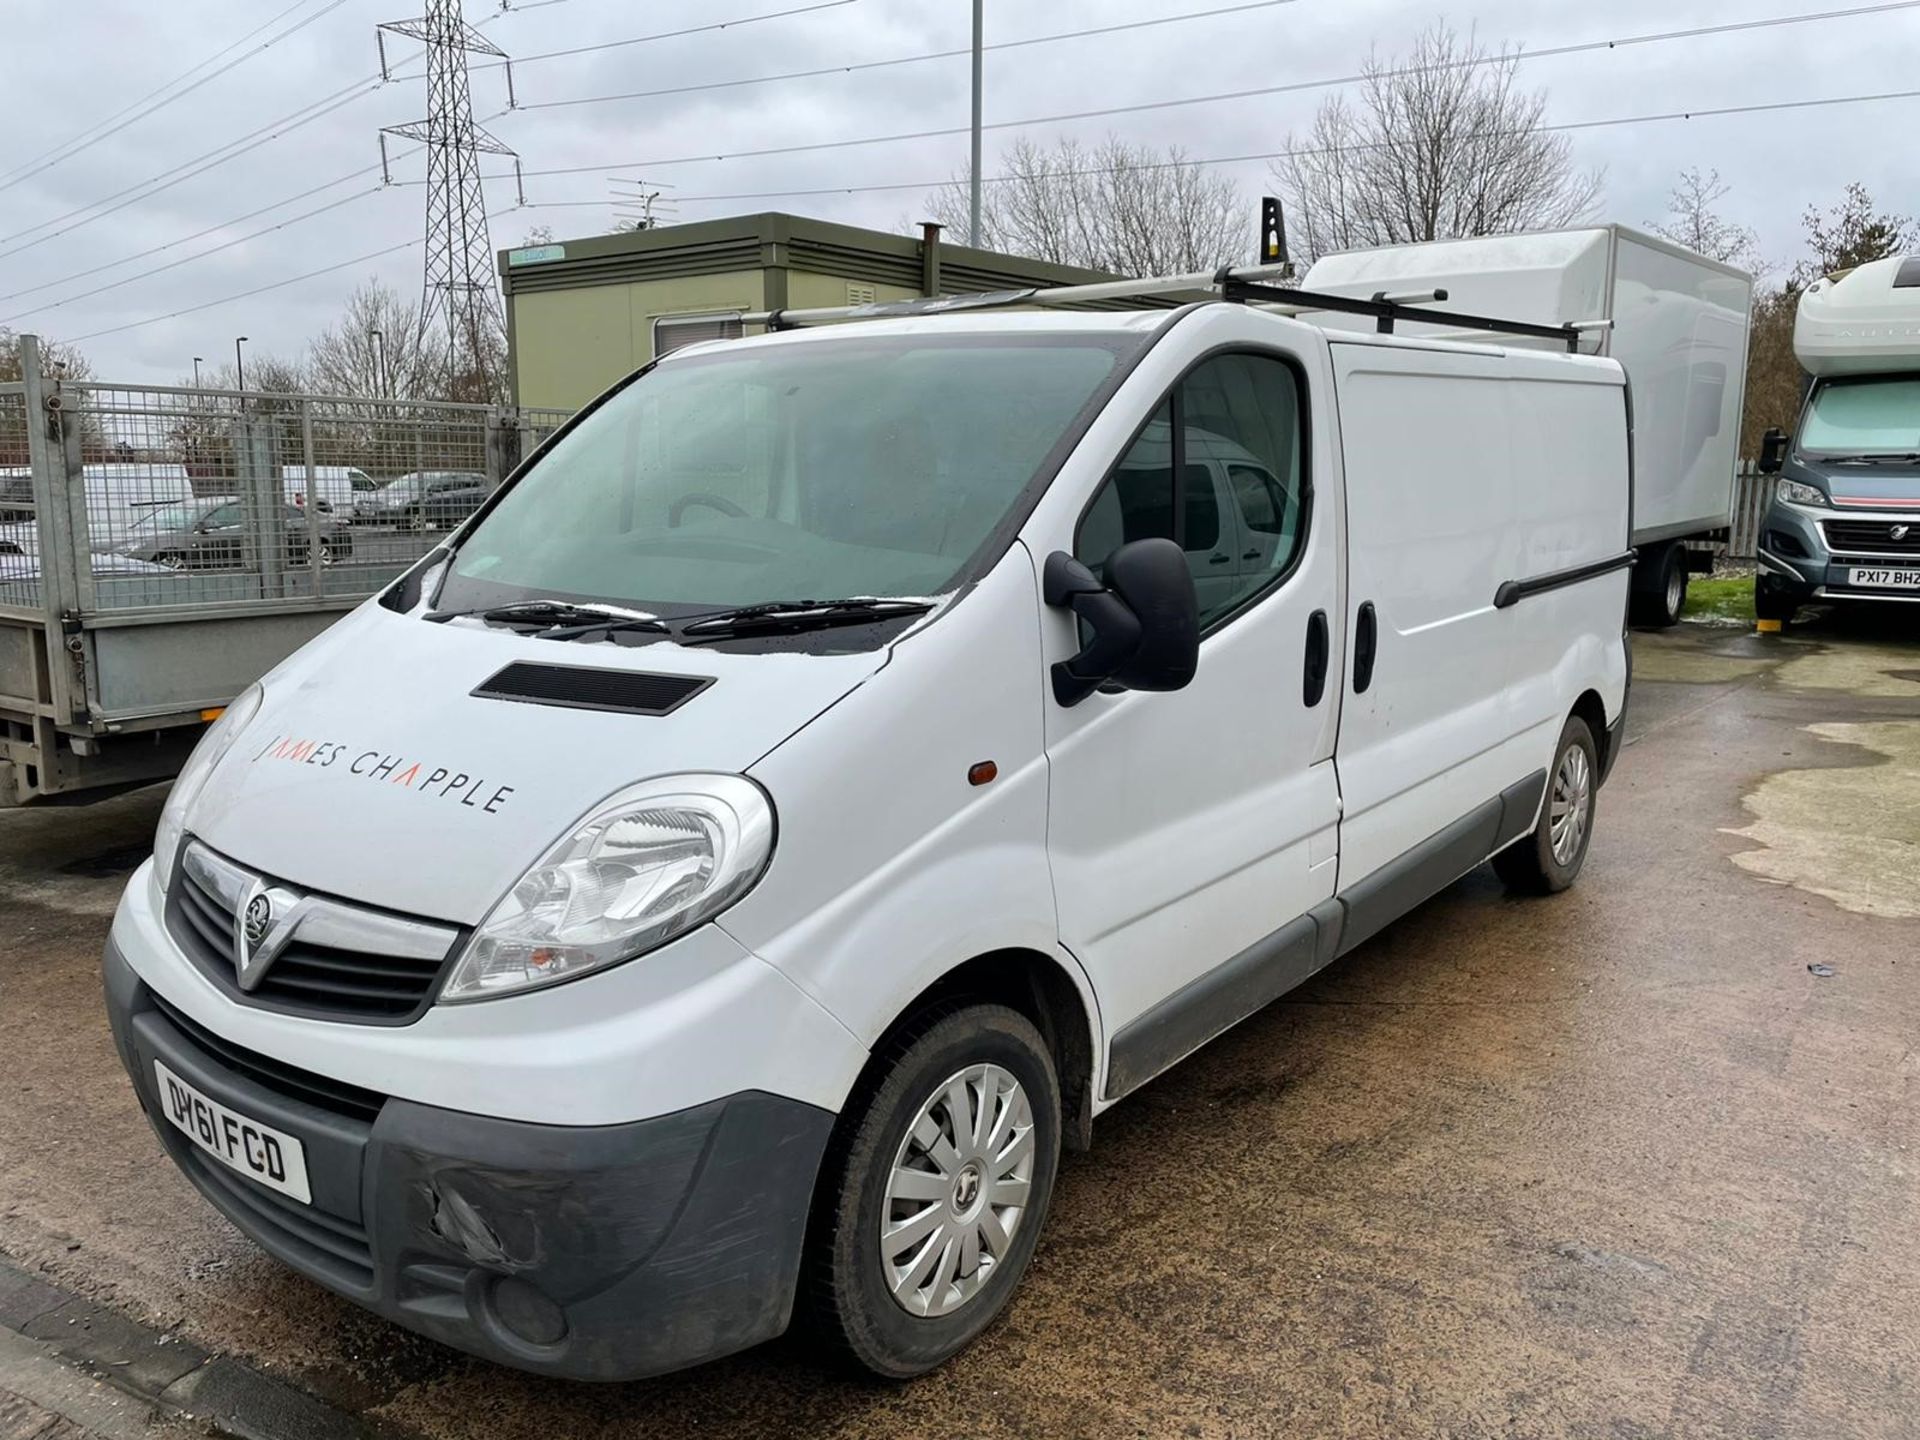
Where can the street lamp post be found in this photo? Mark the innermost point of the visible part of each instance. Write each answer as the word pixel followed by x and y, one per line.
pixel 196 372
pixel 239 365
pixel 973 176
pixel 379 362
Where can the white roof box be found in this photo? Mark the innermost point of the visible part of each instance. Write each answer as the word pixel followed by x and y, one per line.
pixel 1865 321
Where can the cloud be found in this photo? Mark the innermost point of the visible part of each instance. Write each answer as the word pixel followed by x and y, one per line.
pixel 70 78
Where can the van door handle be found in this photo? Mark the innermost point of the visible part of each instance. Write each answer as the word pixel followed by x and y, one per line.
pixel 1314 682
pixel 1366 640
pixel 1250 555
pixel 1218 559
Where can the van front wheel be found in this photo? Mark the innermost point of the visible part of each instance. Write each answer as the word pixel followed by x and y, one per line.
pixel 1547 859
pixel 933 1191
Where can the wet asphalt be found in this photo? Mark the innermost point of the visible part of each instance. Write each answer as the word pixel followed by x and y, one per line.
pixel 1614 1164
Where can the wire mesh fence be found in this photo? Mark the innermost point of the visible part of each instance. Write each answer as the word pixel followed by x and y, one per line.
pixel 171 497
pixel 19 539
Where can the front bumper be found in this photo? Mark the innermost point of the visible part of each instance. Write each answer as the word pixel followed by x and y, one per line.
pixel 1793 554
pixel 605 1252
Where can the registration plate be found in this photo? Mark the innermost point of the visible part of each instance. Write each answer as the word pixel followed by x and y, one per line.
pixel 1883 579
pixel 260 1152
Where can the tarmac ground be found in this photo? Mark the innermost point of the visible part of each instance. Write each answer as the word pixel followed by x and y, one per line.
pixel 1614 1164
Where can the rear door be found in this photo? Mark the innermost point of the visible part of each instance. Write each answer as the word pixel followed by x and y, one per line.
pixel 1190 832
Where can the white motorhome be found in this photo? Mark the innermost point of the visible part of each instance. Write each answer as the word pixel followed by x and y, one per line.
pixel 722 879
pixel 1676 320
pixel 1845 518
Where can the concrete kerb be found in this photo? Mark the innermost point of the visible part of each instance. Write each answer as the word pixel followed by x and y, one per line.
pixel 171 1375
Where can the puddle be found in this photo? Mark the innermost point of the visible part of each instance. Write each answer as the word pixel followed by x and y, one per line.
pixel 1851 834
pixel 1692 665
pixel 1875 670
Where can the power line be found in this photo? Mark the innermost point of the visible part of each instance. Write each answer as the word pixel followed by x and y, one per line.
pixel 249 294
pixel 864 65
pixel 1296 152
pixel 1256 92
pixel 314 110
pixel 189 169
pixel 197 255
pixel 1612 121
pixel 101 129
pixel 733 24
pixel 187 239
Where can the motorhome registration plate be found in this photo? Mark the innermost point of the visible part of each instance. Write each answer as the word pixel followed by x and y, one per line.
pixel 259 1152
pixel 1883 579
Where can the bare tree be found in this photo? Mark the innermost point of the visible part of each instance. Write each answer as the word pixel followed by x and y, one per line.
pixel 1694 221
pixel 1129 209
pixel 377 348
pixel 62 361
pixel 1437 145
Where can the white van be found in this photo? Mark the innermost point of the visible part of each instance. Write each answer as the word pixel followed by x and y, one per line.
pixel 118 495
pixel 839 765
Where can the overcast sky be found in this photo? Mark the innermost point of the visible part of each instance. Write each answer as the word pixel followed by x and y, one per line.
pixel 69 67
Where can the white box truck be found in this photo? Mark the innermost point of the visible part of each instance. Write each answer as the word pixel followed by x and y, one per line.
pixel 1845 518
pixel 1677 321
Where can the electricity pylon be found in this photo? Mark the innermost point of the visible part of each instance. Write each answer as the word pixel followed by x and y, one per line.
pixel 459 298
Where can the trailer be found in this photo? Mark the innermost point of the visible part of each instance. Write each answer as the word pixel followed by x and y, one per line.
pixel 112 667
pixel 1677 321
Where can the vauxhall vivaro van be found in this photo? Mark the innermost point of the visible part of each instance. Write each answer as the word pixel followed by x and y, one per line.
pixel 724 877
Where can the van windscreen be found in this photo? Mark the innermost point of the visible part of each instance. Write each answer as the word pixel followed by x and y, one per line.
pixel 820 470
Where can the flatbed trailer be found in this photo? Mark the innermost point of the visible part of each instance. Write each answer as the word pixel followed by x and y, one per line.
pixel 111 665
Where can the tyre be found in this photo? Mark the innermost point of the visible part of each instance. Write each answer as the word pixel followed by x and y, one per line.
pixel 172 559
pixel 933 1191
pixel 1660 600
pixel 1546 860
pixel 326 553
pixel 1773 601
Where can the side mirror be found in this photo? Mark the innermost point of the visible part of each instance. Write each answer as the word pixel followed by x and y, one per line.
pixel 1145 622
pixel 1773 451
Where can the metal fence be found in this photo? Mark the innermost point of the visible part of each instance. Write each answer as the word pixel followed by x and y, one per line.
pixel 161 496
pixel 1752 494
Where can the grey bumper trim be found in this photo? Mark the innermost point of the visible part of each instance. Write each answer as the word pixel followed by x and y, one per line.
pixel 596 1253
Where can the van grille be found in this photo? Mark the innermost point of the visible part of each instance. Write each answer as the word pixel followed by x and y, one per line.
pixel 350 1102
pixel 335 1248
pixel 315 980
pixel 1874 537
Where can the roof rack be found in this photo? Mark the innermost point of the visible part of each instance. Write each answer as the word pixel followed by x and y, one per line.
pixel 1246 285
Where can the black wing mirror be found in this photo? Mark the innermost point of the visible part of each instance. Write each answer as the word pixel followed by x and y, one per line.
pixel 1773 451
pixel 1144 623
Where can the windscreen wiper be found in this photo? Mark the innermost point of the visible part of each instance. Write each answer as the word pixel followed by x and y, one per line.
pixel 793 616
pixel 568 615
pixel 1870 458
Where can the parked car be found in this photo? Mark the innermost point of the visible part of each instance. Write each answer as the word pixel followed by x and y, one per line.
pixel 426 499
pixel 214 534
pixel 718 885
pixel 20 570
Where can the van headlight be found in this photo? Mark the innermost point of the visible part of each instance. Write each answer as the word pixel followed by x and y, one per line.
pixel 193 776
pixel 651 863
pixel 1796 493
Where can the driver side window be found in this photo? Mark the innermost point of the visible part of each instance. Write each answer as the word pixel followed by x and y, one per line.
pixel 1218 470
